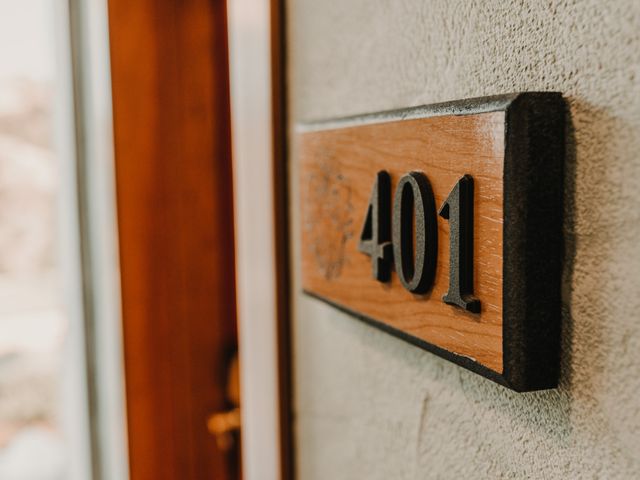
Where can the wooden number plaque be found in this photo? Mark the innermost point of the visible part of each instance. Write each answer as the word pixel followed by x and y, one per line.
pixel 442 225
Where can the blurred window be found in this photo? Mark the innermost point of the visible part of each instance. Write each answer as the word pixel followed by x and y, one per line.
pixel 33 321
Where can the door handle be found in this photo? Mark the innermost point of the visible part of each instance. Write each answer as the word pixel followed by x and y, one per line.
pixel 225 425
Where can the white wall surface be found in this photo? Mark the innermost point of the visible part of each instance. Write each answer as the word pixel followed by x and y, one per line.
pixel 368 406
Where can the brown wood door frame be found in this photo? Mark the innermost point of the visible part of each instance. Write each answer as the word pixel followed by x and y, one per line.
pixel 170 86
pixel 169 68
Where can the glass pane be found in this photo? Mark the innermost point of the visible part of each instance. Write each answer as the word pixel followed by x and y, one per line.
pixel 32 315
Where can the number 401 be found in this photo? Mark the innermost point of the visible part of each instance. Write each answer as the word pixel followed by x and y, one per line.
pixel 407 236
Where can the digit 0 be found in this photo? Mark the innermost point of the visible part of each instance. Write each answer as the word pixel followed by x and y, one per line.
pixel 415 233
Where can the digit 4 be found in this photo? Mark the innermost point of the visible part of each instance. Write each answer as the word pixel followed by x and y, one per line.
pixel 375 239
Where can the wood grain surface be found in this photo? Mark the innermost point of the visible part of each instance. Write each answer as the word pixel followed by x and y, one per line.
pixel 338 169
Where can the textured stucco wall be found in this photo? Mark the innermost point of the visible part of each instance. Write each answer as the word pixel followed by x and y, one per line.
pixel 368 406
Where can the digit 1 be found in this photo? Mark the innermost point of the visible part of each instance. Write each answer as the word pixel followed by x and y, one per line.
pixel 414 204
pixel 375 238
pixel 458 210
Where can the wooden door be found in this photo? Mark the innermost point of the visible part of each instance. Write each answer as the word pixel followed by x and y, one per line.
pixel 174 193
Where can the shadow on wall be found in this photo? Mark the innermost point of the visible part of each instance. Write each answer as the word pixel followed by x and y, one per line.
pixel 551 404
pixel 592 363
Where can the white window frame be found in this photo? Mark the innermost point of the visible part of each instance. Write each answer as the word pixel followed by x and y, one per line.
pixel 93 413
pixel 250 63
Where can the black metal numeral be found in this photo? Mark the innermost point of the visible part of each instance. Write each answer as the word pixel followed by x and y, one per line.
pixel 375 236
pixel 410 241
pixel 458 210
pixel 414 218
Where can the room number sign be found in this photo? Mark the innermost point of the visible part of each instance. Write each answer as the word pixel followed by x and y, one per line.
pixel 442 225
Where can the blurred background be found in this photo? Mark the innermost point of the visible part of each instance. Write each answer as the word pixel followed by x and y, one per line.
pixel 64 263
pixel 33 320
